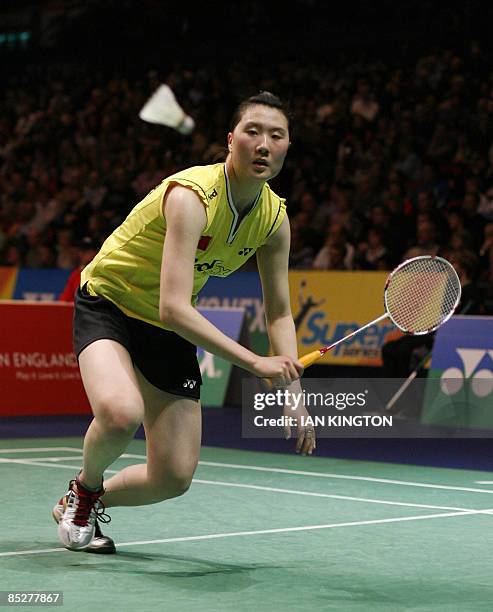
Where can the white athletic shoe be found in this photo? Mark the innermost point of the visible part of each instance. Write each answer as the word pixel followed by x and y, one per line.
pixel 100 544
pixel 77 524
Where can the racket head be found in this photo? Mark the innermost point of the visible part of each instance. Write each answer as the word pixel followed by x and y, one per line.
pixel 421 294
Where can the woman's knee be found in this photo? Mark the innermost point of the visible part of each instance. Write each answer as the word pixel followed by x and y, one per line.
pixel 178 484
pixel 174 481
pixel 119 415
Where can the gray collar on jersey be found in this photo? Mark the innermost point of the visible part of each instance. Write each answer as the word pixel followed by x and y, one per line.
pixel 237 216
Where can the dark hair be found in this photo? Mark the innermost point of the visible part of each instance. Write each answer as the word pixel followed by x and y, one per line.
pixel 264 97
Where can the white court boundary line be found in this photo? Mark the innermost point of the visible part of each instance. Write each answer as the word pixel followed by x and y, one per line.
pixel 287 471
pixel 341 497
pixel 213 536
pixel 258 468
pixel 344 477
pixel 31 459
pixel 41 449
pixel 36 463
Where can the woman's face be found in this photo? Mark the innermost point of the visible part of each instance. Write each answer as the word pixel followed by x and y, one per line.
pixel 259 143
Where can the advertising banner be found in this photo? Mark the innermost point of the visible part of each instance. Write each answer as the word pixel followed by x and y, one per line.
pixel 38 369
pixel 329 305
pixel 39 373
pixel 39 284
pixel 462 361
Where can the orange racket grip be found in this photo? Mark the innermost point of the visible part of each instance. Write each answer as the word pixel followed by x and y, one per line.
pixel 306 360
pixel 310 358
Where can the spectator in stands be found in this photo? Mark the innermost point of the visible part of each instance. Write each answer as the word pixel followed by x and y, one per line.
pixel 474 222
pixel 301 253
pixel 455 221
pixel 148 178
pixel 32 249
pixel 95 191
pixel 329 257
pixel 336 257
pixel 87 250
pixel 67 255
pixel 12 255
pixel 486 253
pixel 425 243
pixel 120 196
pixel 408 164
pixel 466 265
pixel 485 208
pixel 372 252
pixel 363 103
pixel 47 255
pixel 443 144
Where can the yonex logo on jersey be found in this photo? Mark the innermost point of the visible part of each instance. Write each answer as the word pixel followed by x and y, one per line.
pixel 189 384
pixel 245 251
pixel 212 195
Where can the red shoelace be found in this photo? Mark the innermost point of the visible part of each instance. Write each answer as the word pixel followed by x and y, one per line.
pixel 87 501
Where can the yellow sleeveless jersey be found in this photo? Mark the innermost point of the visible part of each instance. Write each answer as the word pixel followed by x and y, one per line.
pixel 127 268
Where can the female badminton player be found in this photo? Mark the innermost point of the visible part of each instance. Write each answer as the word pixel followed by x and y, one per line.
pixel 136 328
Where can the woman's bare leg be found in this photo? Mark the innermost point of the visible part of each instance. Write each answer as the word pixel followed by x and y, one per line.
pixel 173 427
pixel 117 404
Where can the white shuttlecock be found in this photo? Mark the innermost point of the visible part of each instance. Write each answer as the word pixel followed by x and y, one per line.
pixel 163 109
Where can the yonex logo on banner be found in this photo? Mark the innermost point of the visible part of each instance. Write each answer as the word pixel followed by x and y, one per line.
pixel 473 369
pixel 459 388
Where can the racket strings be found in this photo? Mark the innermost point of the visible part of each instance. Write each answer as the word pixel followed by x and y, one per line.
pixel 421 294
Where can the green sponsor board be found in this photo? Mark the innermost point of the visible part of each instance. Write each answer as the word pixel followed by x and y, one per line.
pixel 458 402
pixel 260 342
pixel 459 390
pixel 216 373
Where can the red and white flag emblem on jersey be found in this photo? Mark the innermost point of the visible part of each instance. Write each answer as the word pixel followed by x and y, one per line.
pixel 204 243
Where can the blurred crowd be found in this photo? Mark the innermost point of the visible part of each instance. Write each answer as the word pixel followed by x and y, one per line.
pixel 386 162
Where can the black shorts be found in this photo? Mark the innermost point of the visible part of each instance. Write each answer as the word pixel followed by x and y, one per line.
pixel 168 361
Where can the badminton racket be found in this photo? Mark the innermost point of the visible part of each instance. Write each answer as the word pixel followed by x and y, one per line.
pixel 424 363
pixel 421 294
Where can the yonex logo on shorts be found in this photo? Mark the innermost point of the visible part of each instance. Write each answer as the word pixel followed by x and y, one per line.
pixel 190 384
